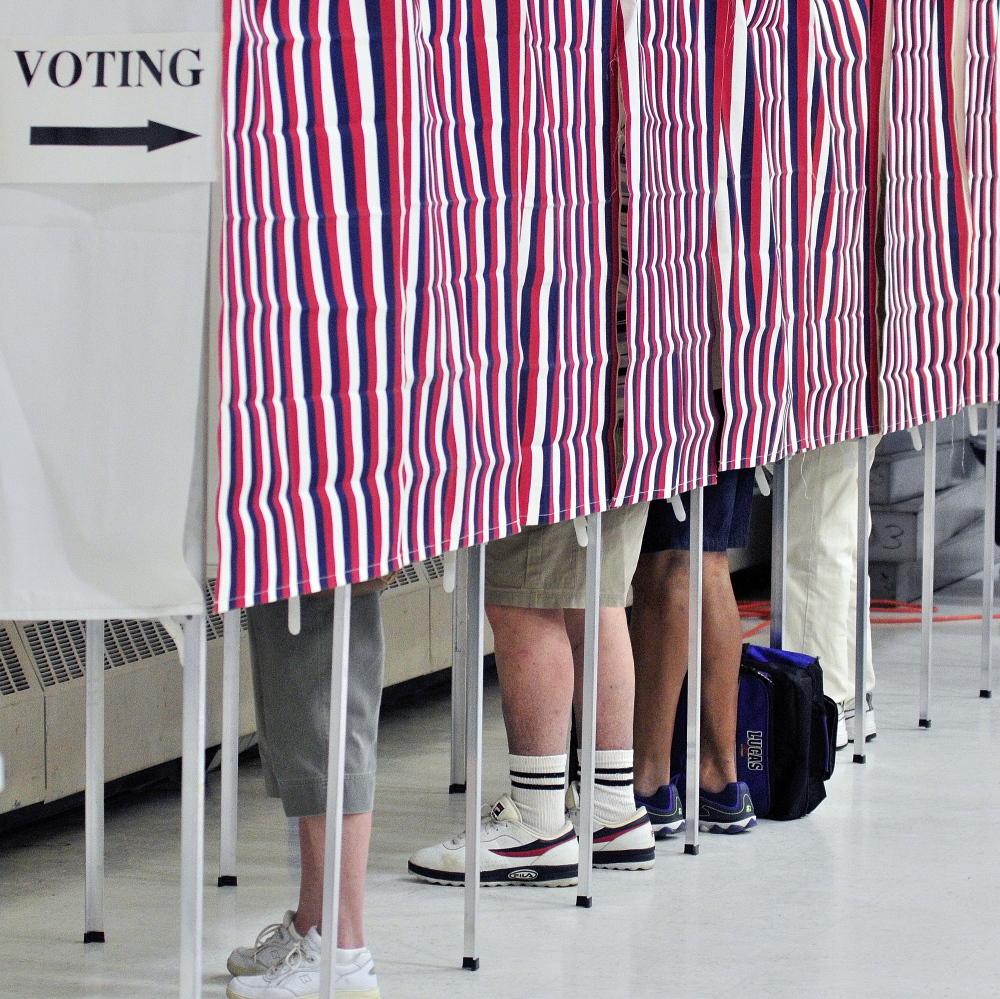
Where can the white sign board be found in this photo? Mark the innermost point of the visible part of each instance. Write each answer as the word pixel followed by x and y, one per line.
pixel 110 108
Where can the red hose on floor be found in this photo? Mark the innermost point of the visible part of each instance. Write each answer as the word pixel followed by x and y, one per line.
pixel 899 613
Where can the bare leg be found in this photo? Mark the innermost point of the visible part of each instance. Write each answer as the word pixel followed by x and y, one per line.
pixel 659 635
pixel 535 667
pixel 353 866
pixel 615 676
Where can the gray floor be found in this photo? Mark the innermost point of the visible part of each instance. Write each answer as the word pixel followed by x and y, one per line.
pixel 891 888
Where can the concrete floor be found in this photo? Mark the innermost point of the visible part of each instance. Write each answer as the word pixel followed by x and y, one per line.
pixel 891 888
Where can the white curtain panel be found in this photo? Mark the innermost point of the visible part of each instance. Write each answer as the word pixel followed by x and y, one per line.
pixel 102 356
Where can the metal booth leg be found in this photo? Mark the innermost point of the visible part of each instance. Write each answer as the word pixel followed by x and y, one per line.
pixel 927 596
pixel 335 789
pixel 989 547
pixel 193 808
pixel 695 596
pixel 588 747
pixel 459 670
pixel 93 930
pixel 473 748
pixel 861 610
pixel 230 746
pixel 779 550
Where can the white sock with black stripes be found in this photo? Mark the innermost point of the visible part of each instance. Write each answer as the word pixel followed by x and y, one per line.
pixel 538 788
pixel 614 799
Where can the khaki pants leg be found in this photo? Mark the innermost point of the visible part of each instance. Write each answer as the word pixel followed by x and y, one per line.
pixel 822 563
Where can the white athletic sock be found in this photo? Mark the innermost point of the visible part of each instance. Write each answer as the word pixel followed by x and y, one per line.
pixel 614 799
pixel 538 788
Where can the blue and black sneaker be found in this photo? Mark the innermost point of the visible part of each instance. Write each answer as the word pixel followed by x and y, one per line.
pixel 666 813
pixel 728 811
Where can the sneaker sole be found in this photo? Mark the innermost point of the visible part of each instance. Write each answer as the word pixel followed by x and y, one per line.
pixel 625 860
pixel 728 828
pixel 528 877
pixel 245 970
pixel 664 830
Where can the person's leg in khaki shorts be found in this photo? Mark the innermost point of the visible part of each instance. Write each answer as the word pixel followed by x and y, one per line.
pixel 535 589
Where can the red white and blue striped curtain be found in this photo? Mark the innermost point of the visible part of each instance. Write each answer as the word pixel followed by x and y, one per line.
pixel 834 357
pixel 368 357
pixel 668 64
pixel 417 330
pixel 756 231
pixel 567 259
pixel 793 231
pixel 982 374
pixel 925 336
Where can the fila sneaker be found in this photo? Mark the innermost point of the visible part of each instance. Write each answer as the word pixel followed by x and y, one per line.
pixel 849 718
pixel 273 943
pixel 297 975
pixel 510 853
pixel 666 813
pixel 627 846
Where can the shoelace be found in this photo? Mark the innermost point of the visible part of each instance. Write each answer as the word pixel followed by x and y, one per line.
pixel 265 937
pixel 289 964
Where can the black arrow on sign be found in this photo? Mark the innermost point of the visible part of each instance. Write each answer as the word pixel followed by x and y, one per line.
pixel 153 136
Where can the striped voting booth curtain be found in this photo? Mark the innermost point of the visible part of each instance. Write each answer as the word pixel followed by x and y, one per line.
pixel 982 375
pixel 668 66
pixel 793 230
pixel 369 406
pixel 756 231
pixel 834 353
pixel 926 221
pixel 416 329
pixel 568 258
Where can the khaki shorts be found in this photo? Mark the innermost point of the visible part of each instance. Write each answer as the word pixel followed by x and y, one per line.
pixel 545 567
pixel 291 683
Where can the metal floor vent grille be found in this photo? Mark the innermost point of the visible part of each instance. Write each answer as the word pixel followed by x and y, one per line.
pixel 59 649
pixel 133 641
pixel 12 678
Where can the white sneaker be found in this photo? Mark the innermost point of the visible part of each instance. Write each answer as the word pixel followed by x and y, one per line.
pixel 297 976
pixel 273 943
pixel 510 853
pixel 849 714
pixel 842 739
pixel 628 846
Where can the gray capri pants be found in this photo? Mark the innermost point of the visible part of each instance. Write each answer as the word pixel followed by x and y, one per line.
pixel 291 682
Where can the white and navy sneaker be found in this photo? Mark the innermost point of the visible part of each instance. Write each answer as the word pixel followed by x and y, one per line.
pixel 273 944
pixel 849 719
pixel 627 846
pixel 729 811
pixel 666 813
pixel 510 853
pixel 297 975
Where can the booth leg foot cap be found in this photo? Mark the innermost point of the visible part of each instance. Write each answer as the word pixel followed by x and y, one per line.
pixel 227 880
pixel 584 901
pixel 456 789
pixel 925 723
pixel 470 963
pixel 986 693
pixel 93 936
pixel 691 850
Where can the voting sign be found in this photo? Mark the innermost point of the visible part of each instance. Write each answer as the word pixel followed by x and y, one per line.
pixel 110 108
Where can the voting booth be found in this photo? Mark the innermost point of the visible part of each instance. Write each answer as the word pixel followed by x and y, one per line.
pixel 476 261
